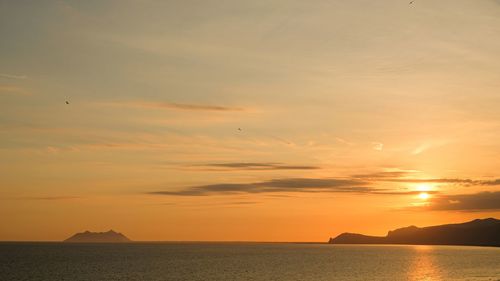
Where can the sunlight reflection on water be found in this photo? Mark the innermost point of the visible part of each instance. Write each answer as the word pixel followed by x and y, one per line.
pixel 246 261
pixel 424 266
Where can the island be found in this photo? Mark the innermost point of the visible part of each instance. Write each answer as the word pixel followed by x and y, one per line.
pixel 479 232
pixel 98 237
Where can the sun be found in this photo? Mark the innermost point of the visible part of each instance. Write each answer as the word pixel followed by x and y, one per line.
pixel 423 195
pixel 424 190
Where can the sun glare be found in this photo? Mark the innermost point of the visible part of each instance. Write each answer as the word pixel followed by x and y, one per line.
pixel 423 195
pixel 424 187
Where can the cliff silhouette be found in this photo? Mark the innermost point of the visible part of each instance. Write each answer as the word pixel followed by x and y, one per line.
pixel 98 237
pixel 479 232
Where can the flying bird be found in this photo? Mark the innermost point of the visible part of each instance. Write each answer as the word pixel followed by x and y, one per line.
pixel 411 2
pixel 67 102
pixel 239 129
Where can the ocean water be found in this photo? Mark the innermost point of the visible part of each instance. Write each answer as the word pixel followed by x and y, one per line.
pixel 241 261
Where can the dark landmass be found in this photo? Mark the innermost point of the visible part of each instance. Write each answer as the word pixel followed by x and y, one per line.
pixel 479 232
pixel 98 237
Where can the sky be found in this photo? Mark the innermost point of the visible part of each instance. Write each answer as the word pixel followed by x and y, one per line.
pixel 274 120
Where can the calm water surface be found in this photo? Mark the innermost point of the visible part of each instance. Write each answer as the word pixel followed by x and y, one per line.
pixel 164 261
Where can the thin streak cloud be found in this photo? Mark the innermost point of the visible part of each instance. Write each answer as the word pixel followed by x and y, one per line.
pixel 312 185
pixel 57 198
pixel 50 198
pixel 360 184
pixel 13 90
pixel 405 177
pixel 383 175
pixel 481 201
pixel 12 76
pixel 448 181
pixel 256 166
pixel 174 106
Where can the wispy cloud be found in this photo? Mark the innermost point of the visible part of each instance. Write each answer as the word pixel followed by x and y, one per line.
pixel 255 166
pixel 50 198
pixel 13 90
pixel 184 106
pixel 361 184
pixel 490 182
pixel 447 180
pixel 383 175
pixel 174 106
pixel 404 176
pixel 278 185
pixel 241 203
pixel 434 180
pixel 343 141
pixel 12 76
pixel 428 145
pixel 481 201
pixel 378 146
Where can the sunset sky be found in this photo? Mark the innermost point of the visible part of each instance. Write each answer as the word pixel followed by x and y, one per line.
pixel 247 120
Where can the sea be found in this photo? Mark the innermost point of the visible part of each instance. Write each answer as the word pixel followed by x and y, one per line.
pixel 245 261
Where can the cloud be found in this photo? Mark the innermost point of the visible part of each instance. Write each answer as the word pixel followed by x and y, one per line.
pixel 383 175
pixel 402 177
pixel 242 203
pixel 195 107
pixel 378 146
pixel 13 90
pixel 343 141
pixel 490 182
pixel 433 180
pixel 421 148
pixel 12 76
pixel 257 166
pixel 174 106
pixel 428 145
pixel 481 201
pixel 361 184
pixel 446 180
pixel 395 192
pixel 278 185
pixel 57 198
pixel 51 198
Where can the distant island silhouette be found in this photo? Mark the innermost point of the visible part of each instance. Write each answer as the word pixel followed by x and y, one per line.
pixel 98 237
pixel 479 232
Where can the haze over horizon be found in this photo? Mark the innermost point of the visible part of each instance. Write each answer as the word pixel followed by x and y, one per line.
pixel 247 121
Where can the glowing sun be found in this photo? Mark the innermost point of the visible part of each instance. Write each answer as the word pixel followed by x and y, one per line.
pixel 423 195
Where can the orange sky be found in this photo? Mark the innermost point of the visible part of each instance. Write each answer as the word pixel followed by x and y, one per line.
pixel 260 121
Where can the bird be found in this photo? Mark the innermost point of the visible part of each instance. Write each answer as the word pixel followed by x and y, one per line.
pixel 239 129
pixel 411 2
pixel 67 102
